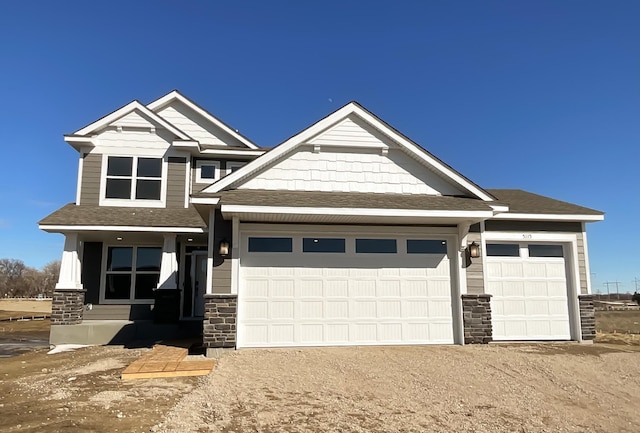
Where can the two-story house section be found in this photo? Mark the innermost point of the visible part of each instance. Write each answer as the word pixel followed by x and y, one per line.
pixel 347 233
pixel 134 229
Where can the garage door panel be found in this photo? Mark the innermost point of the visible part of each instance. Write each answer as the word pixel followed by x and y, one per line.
pixel 389 309
pixel 316 299
pixel 511 269
pixel 336 288
pixel 530 300
pixel 415 308
pixel 337 309
pixel 438 288
pixel 363 309
pixel 311 309
pixel 388 288
pixel 311 333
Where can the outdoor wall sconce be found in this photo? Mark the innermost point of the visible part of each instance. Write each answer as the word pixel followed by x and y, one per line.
pixel 474 250
pixel 223 248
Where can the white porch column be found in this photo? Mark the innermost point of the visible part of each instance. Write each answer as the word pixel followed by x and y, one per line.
pixel 70 266
pixel 169 264
pixel 211 250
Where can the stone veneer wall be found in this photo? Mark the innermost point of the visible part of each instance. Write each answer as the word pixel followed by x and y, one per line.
pixel 587 317
pixel 67 307
pixel 476 313
pixel 219 329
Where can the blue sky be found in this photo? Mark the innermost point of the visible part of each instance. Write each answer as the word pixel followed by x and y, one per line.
pixel 538 95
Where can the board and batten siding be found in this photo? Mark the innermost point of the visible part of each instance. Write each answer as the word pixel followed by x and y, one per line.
pixel 221 266
pixel 176 181
pixel 90 182
pixel 549 226
pixel 475 270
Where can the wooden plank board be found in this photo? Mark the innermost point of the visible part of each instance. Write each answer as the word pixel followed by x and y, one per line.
pixel 166 361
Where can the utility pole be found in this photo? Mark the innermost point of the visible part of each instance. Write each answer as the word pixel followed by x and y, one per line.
pixel 636 281
pixel 612 283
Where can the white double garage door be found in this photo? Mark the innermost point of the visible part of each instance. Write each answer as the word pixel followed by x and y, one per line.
pixel 338 288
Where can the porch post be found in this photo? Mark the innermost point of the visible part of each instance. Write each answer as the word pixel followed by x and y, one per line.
pixel 211 250
pixel 67 307
pixel 70 266
pixel 169 264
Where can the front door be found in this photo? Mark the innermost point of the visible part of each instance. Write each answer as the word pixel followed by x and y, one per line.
pixel 198 282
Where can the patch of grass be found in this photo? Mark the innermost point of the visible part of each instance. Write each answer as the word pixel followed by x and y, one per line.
pixel 622 322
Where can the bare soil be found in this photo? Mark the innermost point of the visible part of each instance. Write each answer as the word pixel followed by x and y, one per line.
pixel 27 306
pixel 495 388
pixel 82 391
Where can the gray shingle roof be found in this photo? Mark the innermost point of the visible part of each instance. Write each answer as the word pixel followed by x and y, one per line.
pixel 73 215
pixel 520 201
pixel 348 200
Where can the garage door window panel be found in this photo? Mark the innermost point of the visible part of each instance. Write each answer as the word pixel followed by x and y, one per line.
pixel 503 250
pixel 376 246
pixel 541 250
pixel 323 245
pixel 426 246
pixel 270 245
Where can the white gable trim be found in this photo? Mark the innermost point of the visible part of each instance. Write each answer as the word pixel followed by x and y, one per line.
pixel 57 228
pixel 131 106
pixel 548 217
pixel 177 96
pixel 351 108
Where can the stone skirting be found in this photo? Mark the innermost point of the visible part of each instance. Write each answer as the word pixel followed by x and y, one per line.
pixel 587 317
pixel 67 307
pixel 219 328
pixel 476 313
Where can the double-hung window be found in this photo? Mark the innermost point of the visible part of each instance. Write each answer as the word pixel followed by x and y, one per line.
pixel 133 178
pixel 132 273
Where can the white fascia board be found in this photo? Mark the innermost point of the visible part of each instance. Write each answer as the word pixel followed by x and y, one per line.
pixel 205 200
pixel 242 209
pixel 79 142
pixel 63 228
pixel 186 143
pixel 175 95
pixel 256 152
pixel 499 208
pixel 133 105
pixel 548 217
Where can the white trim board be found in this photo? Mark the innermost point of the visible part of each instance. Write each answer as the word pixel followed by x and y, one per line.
pixel 548 217
pixel 133 105
pixel 79 228
pixel 240 209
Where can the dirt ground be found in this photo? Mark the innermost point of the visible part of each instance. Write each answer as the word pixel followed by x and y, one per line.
pixel 496 388
pixel 81 391
pixel 26 306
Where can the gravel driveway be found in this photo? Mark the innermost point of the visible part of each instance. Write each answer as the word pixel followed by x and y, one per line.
pixel 495 388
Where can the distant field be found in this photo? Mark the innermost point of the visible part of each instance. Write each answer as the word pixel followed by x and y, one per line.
pixel 625 322
pixel 28 306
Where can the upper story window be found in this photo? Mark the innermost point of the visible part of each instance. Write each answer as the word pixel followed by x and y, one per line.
pixel 207 171
pixel 233 166
pixel 133 178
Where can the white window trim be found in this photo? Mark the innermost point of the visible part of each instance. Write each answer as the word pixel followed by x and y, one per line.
pixel 132 202
pixel 103 276
pixel 204 162
pixel 234 165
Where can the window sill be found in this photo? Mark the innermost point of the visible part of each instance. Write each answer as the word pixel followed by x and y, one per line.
pixel 132 203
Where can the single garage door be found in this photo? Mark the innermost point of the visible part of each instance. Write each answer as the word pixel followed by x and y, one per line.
pixel 307 290
pixel 529 287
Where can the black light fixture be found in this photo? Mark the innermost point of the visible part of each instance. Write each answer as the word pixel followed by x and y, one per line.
pixel 474 250
pixel 223 247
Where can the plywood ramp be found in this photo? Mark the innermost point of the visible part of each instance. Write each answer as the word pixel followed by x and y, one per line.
pixel 166 361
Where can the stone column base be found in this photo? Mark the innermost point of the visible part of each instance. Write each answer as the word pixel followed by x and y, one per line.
pixel 476 314
pixel 587 317
pixel 67 307
pixel 219 328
